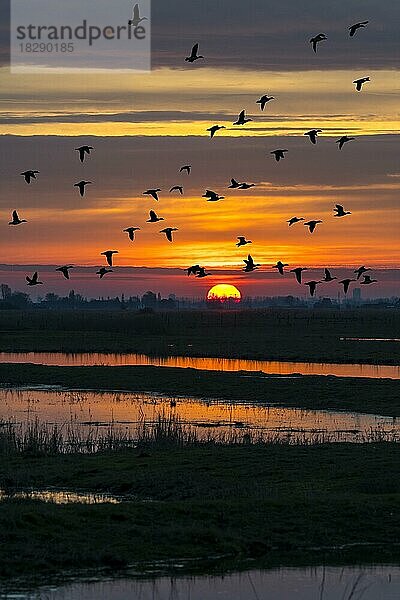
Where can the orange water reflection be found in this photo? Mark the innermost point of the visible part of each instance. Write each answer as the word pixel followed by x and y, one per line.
pixel 126 410
pixel 210 364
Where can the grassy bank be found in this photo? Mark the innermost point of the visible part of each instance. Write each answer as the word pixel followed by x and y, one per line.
pixel 276 334
pixel 375 396
pixel 276 504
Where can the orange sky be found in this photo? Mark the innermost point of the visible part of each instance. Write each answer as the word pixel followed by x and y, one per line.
pixel 147 126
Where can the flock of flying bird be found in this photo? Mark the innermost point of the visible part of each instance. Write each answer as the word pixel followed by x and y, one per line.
pixel 212 196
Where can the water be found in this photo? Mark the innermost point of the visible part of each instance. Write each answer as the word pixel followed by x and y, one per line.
pixel 211 364
pixel 330 583
pixel 126 411
pixel 59 496
pixel 358 339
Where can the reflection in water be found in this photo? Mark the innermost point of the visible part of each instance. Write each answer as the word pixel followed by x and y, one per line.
pixel 126 411
pixel 59 497
pixel 330 583
pixel 211 364
pixel 358 339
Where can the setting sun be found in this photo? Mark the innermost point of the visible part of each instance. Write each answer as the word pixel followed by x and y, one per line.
pixel 224 292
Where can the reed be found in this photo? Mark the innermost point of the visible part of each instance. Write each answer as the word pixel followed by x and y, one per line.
pixel 35 438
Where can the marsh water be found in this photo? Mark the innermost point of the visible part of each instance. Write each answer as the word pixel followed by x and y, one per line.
pixel 126 411
pixel 54 496
pixel 330 583
pixel 211 364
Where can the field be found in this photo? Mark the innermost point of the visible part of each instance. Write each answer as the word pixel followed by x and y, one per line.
pixel 276 334
pixel 207 506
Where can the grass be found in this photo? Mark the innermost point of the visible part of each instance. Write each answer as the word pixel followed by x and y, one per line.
pixel 272 503
pixel 275 334
pixel 36 438
pixel 375 396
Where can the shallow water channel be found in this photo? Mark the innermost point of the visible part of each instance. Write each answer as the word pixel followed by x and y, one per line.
pixel 211 364
pixel 127 412
pixel 320 583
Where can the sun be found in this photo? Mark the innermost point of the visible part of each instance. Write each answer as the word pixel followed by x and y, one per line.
pixel 224 292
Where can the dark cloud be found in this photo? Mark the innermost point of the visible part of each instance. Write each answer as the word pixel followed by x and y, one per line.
pixel 123 167
pixel 123 117
pixel 266 34
pixel 5 33
pixel 151 116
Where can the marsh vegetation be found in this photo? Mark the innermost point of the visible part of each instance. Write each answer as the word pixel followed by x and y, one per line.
pixel 271 502
pixel 274 334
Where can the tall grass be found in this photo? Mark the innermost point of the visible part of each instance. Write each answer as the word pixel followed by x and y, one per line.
pixel 36 438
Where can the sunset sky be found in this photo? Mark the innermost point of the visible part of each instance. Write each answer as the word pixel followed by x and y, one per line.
pixel 145 127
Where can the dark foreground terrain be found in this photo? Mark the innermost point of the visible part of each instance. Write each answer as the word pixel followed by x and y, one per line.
pixel 203 506
pixel 274 504
pixel 276 334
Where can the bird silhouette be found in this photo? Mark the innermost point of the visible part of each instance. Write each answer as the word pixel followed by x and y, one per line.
pixel 213 130
pixel 202 273
pixel 194 54
pixel 298 273
pixel 368 280
pixel 346 284
pixel 313 134
pixel 340 212
pixel 83 150
pixel 328 277
pixel 250 264
pixel 294 220
pixel 343 140
pixel 177 188
pixel 353 28
pixel 16 220
pixel 242 241
pixel 29 175
pixel 312 286
pixel 154 218
pixel 34 280
pixel 360 82
pixel 186 168
pixel 81 186
pixel 153 193
pixel 131 232
pixel 103 271
pixel 280 266
pixel 312 225
pixel 168 232
pixel 65 270
pixel 317 39
pixel 212 196
pixel 109 256
pixel 241 120
pixel 360 271
pixel 279 154
pixel 263 100
pixel 136 18
pixel 240 186
pixel 234 184
pixel 193 270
